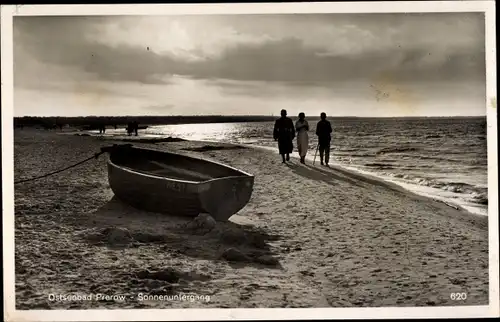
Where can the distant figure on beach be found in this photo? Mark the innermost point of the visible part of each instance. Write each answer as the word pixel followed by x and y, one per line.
pixel 129 128
pixel 284 133
pixel 132 127
pixel 302 126
pixel 51 126
pixel 102 129
pixel 136 127
pixel 323 131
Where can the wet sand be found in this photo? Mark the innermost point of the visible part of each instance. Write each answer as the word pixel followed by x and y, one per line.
pixel 309 237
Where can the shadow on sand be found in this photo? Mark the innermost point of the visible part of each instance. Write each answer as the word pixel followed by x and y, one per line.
pixel 315 173
pixel 208 148
pixel 117 225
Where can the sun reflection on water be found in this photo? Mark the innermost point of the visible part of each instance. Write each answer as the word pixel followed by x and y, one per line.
pixel 225 132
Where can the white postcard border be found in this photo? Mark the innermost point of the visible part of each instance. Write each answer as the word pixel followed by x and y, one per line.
pixel 11 314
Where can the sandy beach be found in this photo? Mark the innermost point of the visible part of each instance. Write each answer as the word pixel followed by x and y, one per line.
pixel 309 237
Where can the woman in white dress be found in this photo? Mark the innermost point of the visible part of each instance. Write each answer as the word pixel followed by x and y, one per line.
pixel 301 126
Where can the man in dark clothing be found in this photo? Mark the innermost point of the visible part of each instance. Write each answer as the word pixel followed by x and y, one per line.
pixel 284 133
pixel 130 128
pixel 136 128
pixel 323 131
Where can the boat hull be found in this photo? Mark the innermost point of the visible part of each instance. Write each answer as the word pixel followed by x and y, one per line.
pixel 221 197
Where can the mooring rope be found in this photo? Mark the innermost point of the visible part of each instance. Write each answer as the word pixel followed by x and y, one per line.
pixel 95 156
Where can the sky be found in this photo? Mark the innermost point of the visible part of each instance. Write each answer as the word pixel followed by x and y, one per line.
pixel 375 65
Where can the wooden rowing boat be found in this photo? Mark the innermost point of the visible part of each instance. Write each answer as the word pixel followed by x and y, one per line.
pixel 175 184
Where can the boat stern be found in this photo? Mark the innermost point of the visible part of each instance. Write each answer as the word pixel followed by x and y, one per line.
pixel 223 197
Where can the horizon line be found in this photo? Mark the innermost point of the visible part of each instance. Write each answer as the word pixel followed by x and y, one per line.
pixel 249 115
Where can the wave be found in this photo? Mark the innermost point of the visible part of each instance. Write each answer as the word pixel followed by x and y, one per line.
pixel 472 197
pixel 397 150
pixel 472 161
pixel 480 198
pixel 433 136
pixel 381 166
pixel 478 167
pixel 348 150
pixel 458 187
pixel 355 155
pixel 428 157
pixel 472 193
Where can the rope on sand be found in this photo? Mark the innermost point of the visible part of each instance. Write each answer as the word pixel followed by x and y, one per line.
pixel 95 156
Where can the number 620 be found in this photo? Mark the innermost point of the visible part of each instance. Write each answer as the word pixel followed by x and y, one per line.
pixel 458 296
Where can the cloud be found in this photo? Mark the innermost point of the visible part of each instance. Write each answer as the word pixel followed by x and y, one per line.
pixel 159 108
pixel 357 48
pixel 236 63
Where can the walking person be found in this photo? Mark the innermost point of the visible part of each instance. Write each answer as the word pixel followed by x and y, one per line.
pixel 324 133
pixel 302 126
pixel 136 128
pixel 130 128
pixel 284 133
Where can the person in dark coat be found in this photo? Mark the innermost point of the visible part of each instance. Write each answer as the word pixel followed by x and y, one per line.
pixel 136 128
pixel 130 128
pixel 323 131
pixel 284 133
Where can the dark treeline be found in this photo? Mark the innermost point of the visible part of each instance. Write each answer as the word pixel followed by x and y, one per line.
pixel 96 121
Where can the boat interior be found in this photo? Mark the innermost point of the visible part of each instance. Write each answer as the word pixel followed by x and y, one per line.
pixel 170 165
